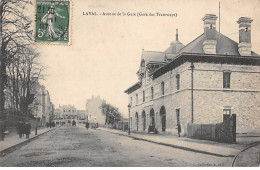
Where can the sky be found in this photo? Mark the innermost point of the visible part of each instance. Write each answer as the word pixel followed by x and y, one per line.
pixel 105 51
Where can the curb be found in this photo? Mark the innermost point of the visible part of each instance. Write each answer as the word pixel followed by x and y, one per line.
pixel 173 146
pixel 19 145
pixel 248 147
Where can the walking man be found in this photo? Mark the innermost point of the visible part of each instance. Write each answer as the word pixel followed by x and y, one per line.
pixel 87 125
pixel 27 129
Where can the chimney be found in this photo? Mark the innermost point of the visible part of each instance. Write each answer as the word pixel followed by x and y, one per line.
pixel 210 43
pixel 244 46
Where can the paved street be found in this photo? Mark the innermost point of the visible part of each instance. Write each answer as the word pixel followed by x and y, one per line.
pixel 249 158
pixel 75 146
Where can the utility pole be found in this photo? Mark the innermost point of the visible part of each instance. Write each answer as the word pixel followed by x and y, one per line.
pixel 192 96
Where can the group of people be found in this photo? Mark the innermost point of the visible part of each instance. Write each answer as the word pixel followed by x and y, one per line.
pixel 50 124
pixel 23 128
pixel 93 126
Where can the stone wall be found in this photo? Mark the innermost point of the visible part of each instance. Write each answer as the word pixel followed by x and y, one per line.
pixel 210 98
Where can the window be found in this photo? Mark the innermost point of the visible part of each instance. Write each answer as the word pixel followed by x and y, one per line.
pixel 136 96
pixel 162 88
pixel 131 101
pixel 226 79
pixel 143 96
pixel 152 92
pixel 178 82
pixel 227 110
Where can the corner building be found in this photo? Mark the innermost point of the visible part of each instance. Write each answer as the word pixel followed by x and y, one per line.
pixel 198 83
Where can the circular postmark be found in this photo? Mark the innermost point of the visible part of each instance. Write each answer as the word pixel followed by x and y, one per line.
pixel 52 21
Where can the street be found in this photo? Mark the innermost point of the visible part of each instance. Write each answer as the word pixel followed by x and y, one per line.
pixel 70 146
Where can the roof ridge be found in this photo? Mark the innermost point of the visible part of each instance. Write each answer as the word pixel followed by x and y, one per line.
pixel 155 51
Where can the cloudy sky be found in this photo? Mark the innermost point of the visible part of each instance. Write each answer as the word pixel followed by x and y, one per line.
pixel 105 52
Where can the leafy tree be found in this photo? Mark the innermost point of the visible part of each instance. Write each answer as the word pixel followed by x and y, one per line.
pixel 112 113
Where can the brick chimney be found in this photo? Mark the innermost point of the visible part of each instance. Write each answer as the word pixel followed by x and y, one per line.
pixel 244 46
pixel 210 43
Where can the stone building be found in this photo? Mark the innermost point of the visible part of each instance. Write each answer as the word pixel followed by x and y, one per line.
pixel 198 82
pixel 42 106
pixel 93 110
pixel 68 112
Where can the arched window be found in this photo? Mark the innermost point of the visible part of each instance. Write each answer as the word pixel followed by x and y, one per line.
pixel 152 118
pixel 163 118
pixel 136 120
pixel 144 120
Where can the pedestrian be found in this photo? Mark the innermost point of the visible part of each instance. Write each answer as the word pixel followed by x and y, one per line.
pixel 87 125
pixel 179 129
pixel 2 130
pixel 19 128
pixel 27 129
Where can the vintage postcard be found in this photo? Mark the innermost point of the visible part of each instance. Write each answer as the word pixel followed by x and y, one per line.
pixel 129 83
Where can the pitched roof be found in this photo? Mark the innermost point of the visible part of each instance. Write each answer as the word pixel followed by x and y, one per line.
pixel 153 56
pixel 225 45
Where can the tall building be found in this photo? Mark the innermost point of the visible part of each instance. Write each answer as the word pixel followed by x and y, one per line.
pixel 198 82
pixel 93 110
pixel 42 107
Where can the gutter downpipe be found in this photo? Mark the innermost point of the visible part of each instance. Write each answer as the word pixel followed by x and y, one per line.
pixel 192 97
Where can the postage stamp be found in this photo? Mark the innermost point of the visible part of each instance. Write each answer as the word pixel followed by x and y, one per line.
pixel 52 21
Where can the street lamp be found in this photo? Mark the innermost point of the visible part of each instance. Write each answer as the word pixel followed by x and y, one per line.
pixel 129 106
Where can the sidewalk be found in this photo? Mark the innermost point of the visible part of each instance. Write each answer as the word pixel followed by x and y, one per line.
pixel 200 146
pixel 13 141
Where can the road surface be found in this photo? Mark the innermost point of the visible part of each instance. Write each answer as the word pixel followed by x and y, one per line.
pixel 72 146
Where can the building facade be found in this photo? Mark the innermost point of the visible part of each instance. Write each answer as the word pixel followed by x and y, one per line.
pixel 198 83
pixel 93 110
pixel 68 112
pixel 42 107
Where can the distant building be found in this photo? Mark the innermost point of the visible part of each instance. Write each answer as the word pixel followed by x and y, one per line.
pixel 82 114
pixel 93 110
pixel 198 82
pixel 42 107
pixel 68 112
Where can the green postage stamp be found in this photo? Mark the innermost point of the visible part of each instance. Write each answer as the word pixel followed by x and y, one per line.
pixel 52 21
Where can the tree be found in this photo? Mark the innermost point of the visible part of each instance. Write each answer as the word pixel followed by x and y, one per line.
pixel 112 114
pixel 15 35
pixel 23 74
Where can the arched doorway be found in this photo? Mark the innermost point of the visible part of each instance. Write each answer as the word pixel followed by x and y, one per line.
pixel 163 118
pixel 152 118
pixel 144 120
pixel 136 120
